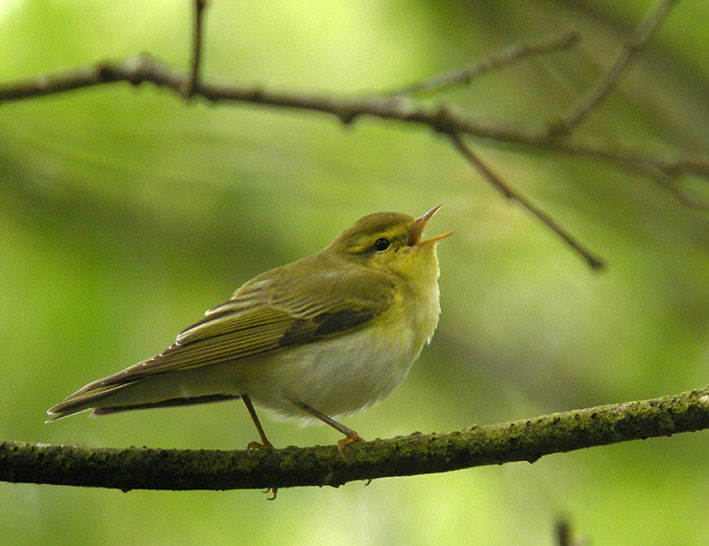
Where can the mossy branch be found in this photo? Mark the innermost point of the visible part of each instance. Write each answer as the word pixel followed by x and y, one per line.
pixel 524 440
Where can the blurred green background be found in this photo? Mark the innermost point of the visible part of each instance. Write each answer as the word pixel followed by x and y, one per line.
pixel 126 212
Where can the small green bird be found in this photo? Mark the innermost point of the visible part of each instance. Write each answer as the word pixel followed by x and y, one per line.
pixel 328 335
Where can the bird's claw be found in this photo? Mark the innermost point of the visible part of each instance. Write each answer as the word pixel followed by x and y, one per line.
pixel 253 446
pixel 347 440
pixel 273 491
pixel 266 446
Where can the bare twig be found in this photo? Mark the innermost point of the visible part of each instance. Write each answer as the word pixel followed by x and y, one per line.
pixel 670 184
pixel 593 260
pixel 563 533
pixel 441 118
pixel 500 59
pixel 524 440
pixel 197 25
pixel 145 68
pixel 633 47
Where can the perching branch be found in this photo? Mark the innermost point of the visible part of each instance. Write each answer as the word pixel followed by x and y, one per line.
pixel 524 440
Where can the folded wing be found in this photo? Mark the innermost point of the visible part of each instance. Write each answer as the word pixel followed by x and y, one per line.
pixel 256 320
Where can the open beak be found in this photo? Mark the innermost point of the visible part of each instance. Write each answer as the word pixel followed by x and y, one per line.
pixel 420 225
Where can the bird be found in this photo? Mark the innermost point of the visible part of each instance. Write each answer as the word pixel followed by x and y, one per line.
pixel 317 339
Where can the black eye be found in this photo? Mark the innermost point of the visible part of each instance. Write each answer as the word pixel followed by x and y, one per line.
pixel 381 245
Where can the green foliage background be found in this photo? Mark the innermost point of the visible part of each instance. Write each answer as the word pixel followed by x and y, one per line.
pixel 126 212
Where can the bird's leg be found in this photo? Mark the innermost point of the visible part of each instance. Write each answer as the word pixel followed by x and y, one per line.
pixel 265 444
pixel 350 435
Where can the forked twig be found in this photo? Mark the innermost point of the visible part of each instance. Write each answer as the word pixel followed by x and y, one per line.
pixel 633 47
pixel 395 106
pixel 147 69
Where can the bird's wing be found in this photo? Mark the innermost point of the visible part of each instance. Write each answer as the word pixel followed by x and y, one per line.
pixel 258 320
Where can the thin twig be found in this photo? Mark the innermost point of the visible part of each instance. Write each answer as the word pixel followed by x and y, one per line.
pixel 447 119
pixel 503 187
pixel 563 533
pixel 197 26
pixel 670 184
pixel 523 440
pixel 633 47
pixel 500 59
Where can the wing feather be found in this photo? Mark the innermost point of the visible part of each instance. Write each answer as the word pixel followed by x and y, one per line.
pixel 259 319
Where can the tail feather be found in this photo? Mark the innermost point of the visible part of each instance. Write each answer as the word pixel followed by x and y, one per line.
pixel 124 391
pixel 80 401
pixel 145 393
pixel 166 403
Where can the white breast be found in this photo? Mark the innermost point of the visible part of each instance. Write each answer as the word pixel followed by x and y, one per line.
pixel 346 374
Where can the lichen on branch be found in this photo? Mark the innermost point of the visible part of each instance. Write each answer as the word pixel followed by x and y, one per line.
pixel 523 440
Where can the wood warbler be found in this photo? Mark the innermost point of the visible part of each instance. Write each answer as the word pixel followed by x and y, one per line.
pixel 328 335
